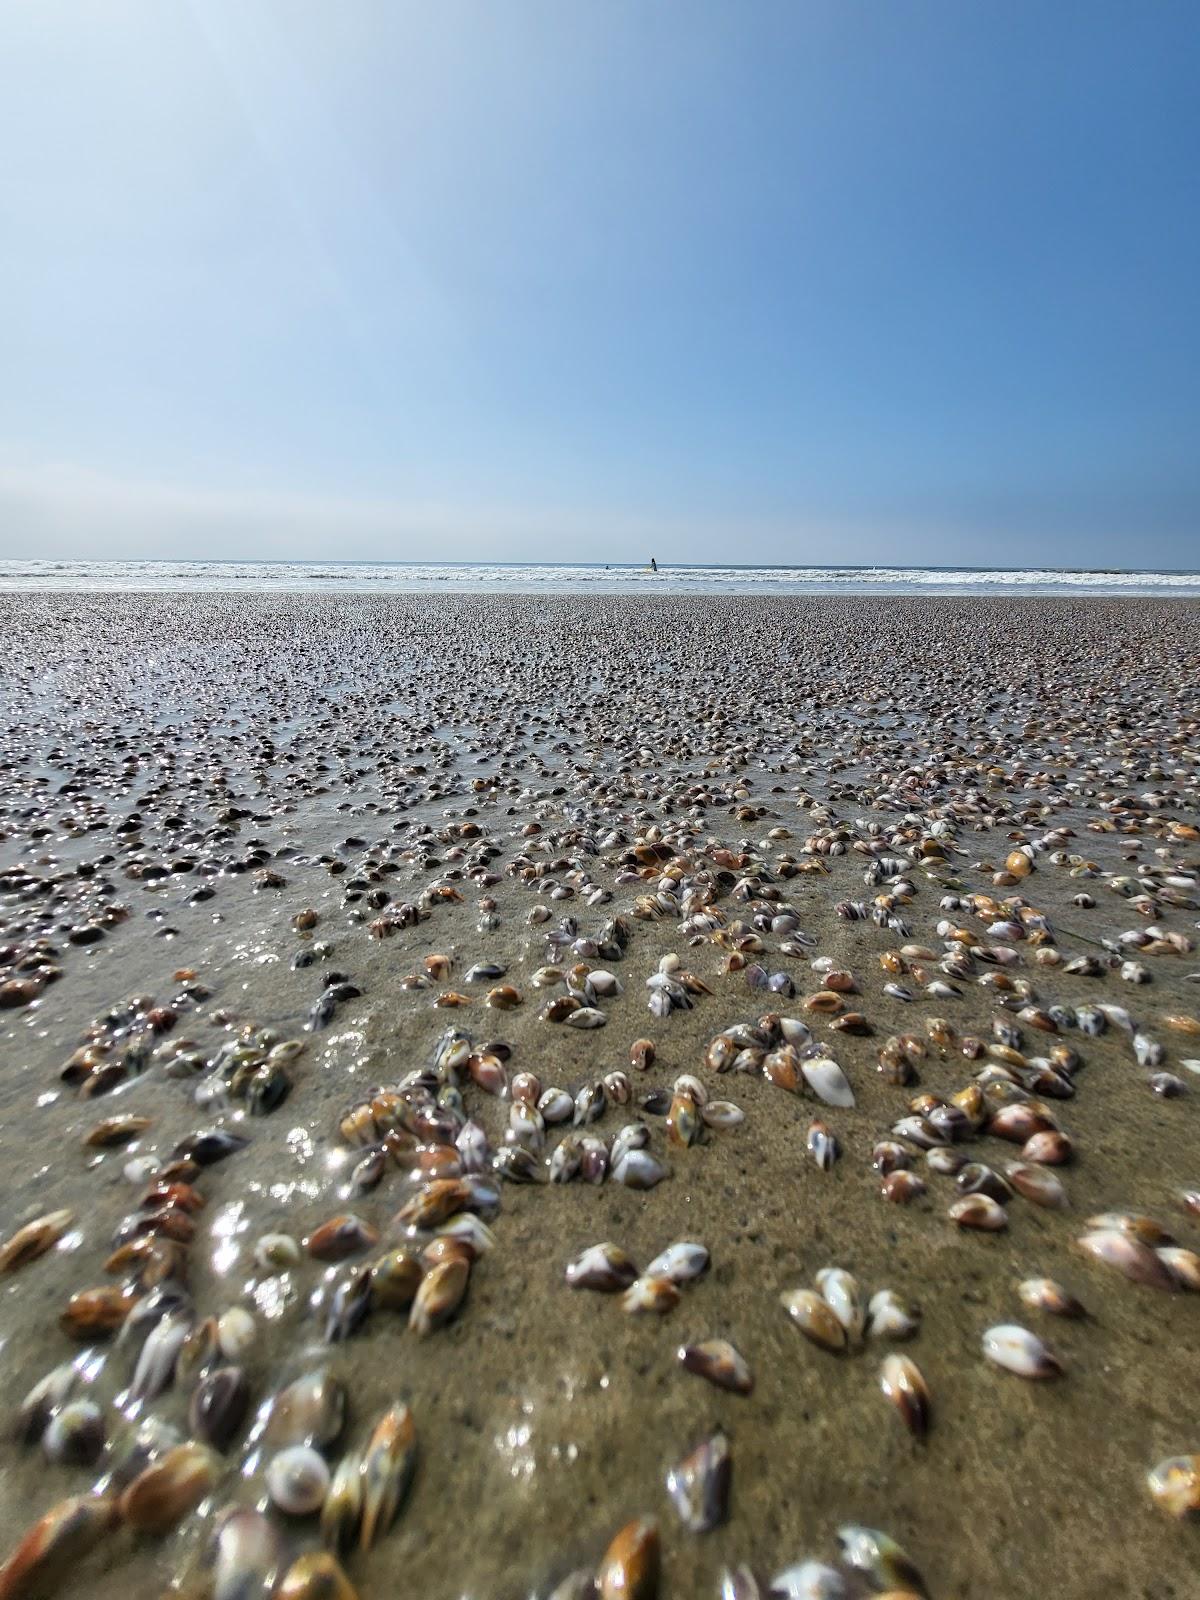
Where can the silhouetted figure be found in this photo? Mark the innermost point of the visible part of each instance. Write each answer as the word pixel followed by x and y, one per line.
pixel 653 564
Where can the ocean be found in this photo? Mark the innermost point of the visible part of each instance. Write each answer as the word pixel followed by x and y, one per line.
pixel 376 577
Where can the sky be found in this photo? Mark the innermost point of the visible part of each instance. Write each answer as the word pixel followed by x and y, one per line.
pixel 896 281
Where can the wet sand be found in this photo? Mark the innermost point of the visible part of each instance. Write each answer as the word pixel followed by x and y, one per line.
pixel 187 774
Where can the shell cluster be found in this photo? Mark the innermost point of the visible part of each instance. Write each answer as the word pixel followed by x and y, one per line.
pixel 370 967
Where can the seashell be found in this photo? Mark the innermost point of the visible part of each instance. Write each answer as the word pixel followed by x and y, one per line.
pixel 782 1068
pixel 1148 1052
pixel 852 1022
pixel 945 1162
pixel 888 1156
pixel 1037 1184
pixel 880 1558
pixel 155 1370
pixel 218 1406
pixel 1167 1085
pixel 341 1514
pixel 388 1462
pixel 642 1054
pixel 1050 1148
pixel 720 1362
pixel 487 1072
pixel 976 1178
pixel 167 1490
pixel 919 1131
pixel 368 1173
pixel 298 1480
pixel 827 1081
pixel 312 1410
pixel 1174 1486
pixel 435 1202
pixel 95 1313
pixel 605 1267
pixel 1017 1350
pixel 585 1017
pixel 504 997
pixel 736 1583
pixel 681 1262
pixel 722 1115
pixel 1018 1123
pixel 822 1145
pixel 247 1555
pixel 51 1549
pixel 236 1332
pixel 471 1231
pixel 814 1317
pixel 902 1383
pixel 840 1291
pixel 683 1119
pixel 639 1169
pixel 199 1350
pixel 276 1252
pixel 438 1296
pixel 1018 863
pixel 115 1131
pixel 74 1436
pixel 316 1575
pixel 594 1160
pixel 209 1146
pixel 395 1279
pixel 34 1239
pixel 699 1485
pixel 653 1296
pixel 629 1568
pixel 443 1248
pixel 556 1106
pixel 902 1186
pixel 44 1399
pixel 1130 1257
pixel 979 1211
pixel 1044 1294
pixel 1184 1266
pixel 482 972
pixel 807 1580
pixel 340 1237
pixel 890 1317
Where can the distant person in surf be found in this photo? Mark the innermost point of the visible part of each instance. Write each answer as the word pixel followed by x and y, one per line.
pixel 653 564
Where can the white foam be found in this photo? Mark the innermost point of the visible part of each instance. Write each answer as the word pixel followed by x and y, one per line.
pixel 416 577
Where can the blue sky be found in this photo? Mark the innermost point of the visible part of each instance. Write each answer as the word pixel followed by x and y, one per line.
pixel 909 280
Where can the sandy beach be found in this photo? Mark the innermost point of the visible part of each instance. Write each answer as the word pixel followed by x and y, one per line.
pixel 362 882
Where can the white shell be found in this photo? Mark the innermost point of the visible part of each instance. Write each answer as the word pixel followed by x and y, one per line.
pixel 236 1332
pixel 809 1580
pixel 1017 1350
pixel 680 1262
pixel 827 1081
pixel 841 1293
pixel 586 1017
pixel 298 1480
pixel 638 1169
pixel 889 1317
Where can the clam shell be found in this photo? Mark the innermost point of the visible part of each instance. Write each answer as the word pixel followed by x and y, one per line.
pixel 167 1490
pixel 1014 1348
pixel 814 1317
pixel 827 1081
